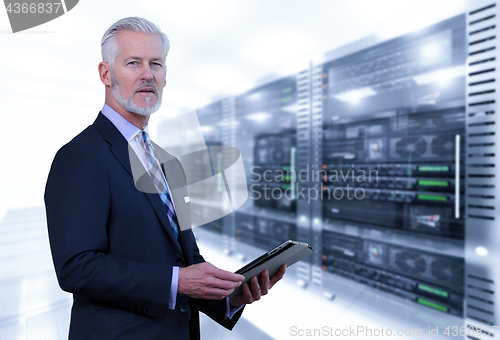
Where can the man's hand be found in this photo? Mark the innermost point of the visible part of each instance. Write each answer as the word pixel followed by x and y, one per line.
pixel 257 289
pixel 205 281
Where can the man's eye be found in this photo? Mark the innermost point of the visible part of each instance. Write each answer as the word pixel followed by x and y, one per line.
pixel 157 64
pixel 132 63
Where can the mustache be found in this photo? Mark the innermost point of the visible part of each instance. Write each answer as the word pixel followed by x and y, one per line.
pixel 146 85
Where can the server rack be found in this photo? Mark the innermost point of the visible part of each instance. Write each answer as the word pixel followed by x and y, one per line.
pixel 392 184
pixel 418 114
pixel 269 126
pixel 210 118
pixel 215 120
pixel 481 210
pixel 265 134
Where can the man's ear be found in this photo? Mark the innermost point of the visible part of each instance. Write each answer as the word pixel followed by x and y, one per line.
pixel 165 80
pixel 105 73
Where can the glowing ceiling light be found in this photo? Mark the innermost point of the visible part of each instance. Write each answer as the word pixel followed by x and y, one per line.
pixel 255 96
pixel 259 117
pixel 481 251
pixel 290 108
pixel 440 76
pixel 207 129
pixel 355 95
pixel 431 51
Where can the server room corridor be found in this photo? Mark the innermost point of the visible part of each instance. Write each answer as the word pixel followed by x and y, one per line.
pixel 367 129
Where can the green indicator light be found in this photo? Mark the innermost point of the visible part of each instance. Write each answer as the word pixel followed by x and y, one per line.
pixel 437 168
pixel 433 198
pixel 433 290
pixel 286 168
pixel 285 187
pixel 287 90
pixel 433 305
pixel 286 99
pixel 433 183
pixel 286 178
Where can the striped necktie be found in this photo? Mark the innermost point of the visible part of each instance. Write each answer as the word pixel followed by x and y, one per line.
pixel 158 179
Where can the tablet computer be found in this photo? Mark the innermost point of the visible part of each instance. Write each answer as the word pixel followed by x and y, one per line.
pixel 287 253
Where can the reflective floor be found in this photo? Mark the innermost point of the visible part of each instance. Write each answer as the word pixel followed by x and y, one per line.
pixel 329 311
pixel 32 306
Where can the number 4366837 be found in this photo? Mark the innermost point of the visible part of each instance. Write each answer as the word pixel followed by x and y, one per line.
pixel 33 8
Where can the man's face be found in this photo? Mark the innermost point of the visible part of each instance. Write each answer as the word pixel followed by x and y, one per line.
pixel 139 72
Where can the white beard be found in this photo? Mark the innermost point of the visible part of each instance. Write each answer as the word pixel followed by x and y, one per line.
pixel 129 104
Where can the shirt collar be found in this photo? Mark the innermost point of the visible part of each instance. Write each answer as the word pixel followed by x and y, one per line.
pixel 127 129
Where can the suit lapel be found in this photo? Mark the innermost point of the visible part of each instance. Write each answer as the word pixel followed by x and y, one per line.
pixel 119 148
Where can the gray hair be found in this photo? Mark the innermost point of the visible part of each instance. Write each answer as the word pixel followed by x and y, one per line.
pixel 109 45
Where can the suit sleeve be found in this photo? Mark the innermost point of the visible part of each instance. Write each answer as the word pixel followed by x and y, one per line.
pixel 77 199
pixel 215 309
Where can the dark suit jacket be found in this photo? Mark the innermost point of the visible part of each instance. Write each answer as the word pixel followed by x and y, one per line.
pixel 113 246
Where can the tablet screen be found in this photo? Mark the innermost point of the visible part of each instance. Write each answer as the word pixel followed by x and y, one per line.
pixel 270 254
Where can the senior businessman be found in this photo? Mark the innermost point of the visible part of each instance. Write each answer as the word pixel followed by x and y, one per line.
pixel 133 271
